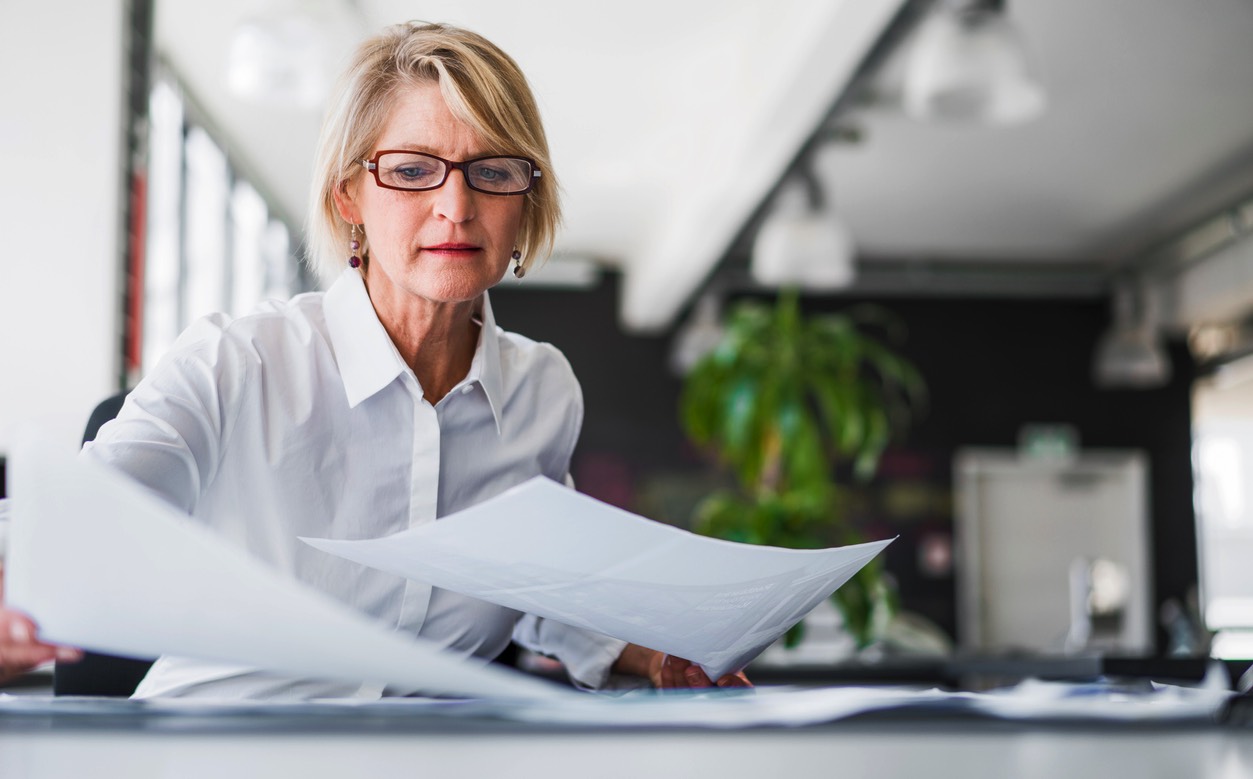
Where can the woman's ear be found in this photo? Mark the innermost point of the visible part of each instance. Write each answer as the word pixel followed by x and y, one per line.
pixel 346 202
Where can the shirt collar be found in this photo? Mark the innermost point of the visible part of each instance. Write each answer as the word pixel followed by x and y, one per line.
pixel 369 361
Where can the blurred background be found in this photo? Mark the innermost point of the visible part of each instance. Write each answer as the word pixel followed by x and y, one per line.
pixel 1049 201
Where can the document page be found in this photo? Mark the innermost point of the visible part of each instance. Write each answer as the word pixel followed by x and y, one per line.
pixel 547 550
pixel 102 564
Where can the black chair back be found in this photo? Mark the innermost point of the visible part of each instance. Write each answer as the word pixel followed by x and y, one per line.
pixel 99 674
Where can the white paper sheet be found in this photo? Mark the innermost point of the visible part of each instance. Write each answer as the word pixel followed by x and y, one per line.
pixel 547 550
pixel 1034 699
pixel 768 706
pixel 100 563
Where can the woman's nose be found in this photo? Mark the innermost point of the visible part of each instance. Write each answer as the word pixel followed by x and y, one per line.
pixel 455 200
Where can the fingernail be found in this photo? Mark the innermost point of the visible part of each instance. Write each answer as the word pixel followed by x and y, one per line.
pixel 20 631
pixel 69 654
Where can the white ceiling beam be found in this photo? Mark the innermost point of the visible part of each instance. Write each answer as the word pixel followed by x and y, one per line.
pixel 1206 277
pixel 745 166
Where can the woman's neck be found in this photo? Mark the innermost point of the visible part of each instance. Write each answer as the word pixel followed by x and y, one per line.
pixel 436 339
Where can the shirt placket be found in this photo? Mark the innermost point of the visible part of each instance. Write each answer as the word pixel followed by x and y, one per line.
pixel 423 497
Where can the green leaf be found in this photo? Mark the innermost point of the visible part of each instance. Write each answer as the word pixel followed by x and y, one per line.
pixel 877 433
pixel 740 407
pixel 782 399
pixel 794 635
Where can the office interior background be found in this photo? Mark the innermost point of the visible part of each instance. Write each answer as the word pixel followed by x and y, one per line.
pixel 1073 268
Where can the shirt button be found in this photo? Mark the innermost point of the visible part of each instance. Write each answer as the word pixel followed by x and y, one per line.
pixel 467 389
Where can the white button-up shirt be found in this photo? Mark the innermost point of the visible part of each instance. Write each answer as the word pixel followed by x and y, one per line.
pixel 302 419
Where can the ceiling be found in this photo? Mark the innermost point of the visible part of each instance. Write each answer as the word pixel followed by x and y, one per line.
pixel 671 122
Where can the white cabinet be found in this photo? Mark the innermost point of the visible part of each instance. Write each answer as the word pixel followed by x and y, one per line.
pixel 1050 548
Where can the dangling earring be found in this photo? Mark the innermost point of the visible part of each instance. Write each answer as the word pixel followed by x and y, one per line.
pixel 518 270
pixel 355 260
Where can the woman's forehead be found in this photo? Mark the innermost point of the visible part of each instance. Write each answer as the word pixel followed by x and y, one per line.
pixel 419 119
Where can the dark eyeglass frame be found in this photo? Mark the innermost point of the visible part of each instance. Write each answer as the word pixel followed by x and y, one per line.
pixel 372 165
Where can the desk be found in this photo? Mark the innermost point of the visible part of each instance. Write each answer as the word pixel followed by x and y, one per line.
pixel 342 743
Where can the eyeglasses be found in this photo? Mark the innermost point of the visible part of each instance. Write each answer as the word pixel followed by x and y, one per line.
pixel 414 171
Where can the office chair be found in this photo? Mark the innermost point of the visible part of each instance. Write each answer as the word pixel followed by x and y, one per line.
pixel 100 674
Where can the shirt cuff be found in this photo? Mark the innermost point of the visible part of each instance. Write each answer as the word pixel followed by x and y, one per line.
pixel 587 656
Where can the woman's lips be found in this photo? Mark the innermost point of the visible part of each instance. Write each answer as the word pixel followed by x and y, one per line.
pixel 452 249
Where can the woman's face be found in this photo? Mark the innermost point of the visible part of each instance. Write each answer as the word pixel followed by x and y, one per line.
pixel 442 245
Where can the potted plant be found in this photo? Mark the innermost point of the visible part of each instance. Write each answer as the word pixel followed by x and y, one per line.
pixel 782 401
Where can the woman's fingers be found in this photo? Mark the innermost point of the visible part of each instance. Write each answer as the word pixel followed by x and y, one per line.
pixel 672 672
pixel 669 672
pixel 734 680
pixel 695 677
pixel 21 650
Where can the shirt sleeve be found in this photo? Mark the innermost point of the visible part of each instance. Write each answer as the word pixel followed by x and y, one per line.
pixel 169 434
pixel 587 656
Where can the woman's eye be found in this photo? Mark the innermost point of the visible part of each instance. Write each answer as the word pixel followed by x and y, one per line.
pixel 411 172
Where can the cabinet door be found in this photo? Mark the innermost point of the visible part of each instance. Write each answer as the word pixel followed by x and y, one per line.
pixel 1027 528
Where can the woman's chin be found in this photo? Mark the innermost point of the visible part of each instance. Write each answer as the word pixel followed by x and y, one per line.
pixel 453 287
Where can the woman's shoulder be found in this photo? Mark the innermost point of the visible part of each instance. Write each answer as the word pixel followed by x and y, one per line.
pixel 273 324
pixel 525 359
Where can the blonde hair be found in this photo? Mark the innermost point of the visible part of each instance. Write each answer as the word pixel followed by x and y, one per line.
pixel 483 87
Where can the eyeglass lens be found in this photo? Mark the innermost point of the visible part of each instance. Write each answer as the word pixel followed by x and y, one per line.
pixel 411 170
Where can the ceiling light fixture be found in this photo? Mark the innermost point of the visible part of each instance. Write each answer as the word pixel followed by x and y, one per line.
pixel 699 335
pixel 801 243
pixel 968 62
pixel 1131 355
pixel 279 59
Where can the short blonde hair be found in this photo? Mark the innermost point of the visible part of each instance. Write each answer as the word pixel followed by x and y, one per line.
pixel 483 87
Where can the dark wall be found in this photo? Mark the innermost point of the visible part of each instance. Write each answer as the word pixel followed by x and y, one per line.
pixel 630 427
pixel 991 366
pixel 994 365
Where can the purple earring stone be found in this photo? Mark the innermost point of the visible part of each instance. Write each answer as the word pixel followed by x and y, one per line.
pixel 354 261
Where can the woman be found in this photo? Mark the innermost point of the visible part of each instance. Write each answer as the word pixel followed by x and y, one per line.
pixel 392 399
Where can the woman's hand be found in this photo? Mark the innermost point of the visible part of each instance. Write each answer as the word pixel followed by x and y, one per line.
pixel 670 672
pixel 20 649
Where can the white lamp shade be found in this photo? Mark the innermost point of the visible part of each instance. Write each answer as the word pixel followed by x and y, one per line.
pixel 1131 359
pixel 810 250
pixel 971 66
pixel 278 60
pixel 1131 355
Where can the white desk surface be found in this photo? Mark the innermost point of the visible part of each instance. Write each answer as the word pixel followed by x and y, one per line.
pixel 107 746
pixel 823 752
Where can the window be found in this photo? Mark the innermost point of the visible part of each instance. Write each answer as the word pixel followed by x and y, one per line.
pixel 1223 463
pixel 213 241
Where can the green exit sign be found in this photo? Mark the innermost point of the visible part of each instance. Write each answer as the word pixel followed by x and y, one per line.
pixel 1048 442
